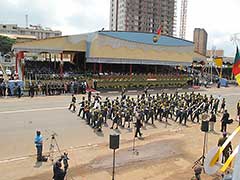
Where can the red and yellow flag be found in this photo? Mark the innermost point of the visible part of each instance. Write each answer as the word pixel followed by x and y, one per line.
pixel 236 67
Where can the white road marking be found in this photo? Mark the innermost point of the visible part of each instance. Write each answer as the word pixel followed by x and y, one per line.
pixel 71 149
pixel 33 110
pixel 132 91
pixel 14 159
pixel 113 92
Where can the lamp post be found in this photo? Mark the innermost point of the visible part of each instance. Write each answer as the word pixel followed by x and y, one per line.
pixel 114 144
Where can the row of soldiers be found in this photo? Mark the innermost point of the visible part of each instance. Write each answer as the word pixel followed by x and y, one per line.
pixel 146 108
pixel 57 88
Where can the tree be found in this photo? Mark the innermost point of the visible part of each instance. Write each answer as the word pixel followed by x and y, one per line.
pixel 6 44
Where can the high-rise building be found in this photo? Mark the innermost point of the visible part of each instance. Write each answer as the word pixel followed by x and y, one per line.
pixel 37 31
pixel 200 37
pixel 143 15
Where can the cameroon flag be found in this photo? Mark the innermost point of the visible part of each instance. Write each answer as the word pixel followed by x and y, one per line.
pixel 236 67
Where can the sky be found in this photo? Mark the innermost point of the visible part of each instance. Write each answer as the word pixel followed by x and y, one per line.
pixel 220 18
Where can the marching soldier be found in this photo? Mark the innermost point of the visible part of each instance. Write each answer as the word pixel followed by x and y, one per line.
pixel 116 120
pixel 196 115
pixel 99 123
pixel 82 105
pixel 223 105
pixel 165 113
pixel 138 127
pixel 88 114
pixel 184 117
pixel 178 115
pixel 151 116
pixel 215 106
pixel 72 104
pixel 95 117
pixel 127 119
pixel 190 113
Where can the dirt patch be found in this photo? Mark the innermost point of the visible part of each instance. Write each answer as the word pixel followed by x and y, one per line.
pixel 144 155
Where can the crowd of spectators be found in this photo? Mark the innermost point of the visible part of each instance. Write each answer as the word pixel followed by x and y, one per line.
pixel 41 67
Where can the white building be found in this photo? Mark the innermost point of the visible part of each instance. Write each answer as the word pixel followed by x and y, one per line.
pixel 37 31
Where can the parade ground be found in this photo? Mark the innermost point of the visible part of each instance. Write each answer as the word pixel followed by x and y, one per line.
pixel 167 151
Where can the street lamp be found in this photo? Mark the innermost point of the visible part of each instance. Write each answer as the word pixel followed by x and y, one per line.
pixel 114 144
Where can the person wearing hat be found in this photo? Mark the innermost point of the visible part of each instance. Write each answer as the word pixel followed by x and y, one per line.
pixel 116 120
pixel 82 105
pixel 138 125
pixel 228 150
pixel 72 104
pixel 39 145
pixel 223 105
pixel 99 123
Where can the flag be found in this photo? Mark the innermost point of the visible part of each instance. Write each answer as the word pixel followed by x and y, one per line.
pixel 156 38
pixel 159 31
pixel 236 67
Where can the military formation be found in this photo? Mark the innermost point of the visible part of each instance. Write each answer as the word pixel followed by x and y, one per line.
pixel 126 111
pixel 57 88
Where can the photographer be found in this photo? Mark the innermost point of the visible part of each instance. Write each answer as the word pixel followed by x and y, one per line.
pixel 39 145
pixel 58 172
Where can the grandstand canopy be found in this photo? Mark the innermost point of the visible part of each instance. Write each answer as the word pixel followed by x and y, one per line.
pixel 117 48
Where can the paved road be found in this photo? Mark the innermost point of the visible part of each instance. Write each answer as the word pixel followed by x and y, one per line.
pixel 20 118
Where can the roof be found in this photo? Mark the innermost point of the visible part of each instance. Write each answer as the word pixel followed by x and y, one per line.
pixel 147 38
pixel 17 36
pixel 119 47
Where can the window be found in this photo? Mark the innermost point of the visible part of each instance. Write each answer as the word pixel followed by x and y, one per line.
pixel 4 26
